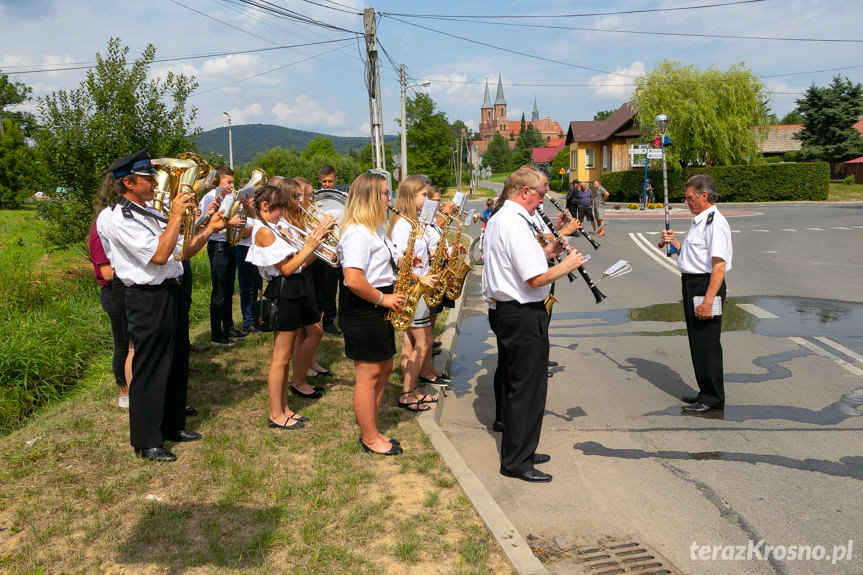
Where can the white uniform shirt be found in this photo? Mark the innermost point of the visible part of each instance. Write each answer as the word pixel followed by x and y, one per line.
pixel 205 203
pixel 705 241
pixel 400 235
pixel 512 256
pixel 103 220
pixel 267 259
pixel 371 252
pixel 133 242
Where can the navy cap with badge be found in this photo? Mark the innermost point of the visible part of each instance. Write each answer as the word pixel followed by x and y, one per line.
pixel 138 163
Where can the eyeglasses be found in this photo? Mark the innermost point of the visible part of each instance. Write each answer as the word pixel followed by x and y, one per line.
pixel 386 193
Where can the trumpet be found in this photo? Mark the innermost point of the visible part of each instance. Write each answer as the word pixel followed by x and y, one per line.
pixel 257 178
pixel 324 252
pixel 312 217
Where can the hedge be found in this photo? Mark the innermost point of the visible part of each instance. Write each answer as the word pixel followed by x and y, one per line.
pixel 760 183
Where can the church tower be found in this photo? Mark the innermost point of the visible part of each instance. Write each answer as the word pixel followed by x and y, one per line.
pixel 500 122
pixel 534 118
pixel 486 123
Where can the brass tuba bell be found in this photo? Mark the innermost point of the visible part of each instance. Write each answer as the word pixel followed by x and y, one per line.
pixel 257 178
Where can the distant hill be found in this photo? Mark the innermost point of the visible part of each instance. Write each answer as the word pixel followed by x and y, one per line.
pixel 251 139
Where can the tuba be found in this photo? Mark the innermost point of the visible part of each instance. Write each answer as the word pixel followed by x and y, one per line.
pixel 258 178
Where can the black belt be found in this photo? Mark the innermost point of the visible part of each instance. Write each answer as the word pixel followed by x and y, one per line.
pixel 168 282
pixel 528 305
pixel 687 276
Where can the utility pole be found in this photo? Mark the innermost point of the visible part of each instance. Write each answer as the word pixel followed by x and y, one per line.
pixel 373 84
pixel 460 156
pixel 404 158
pixel 230 143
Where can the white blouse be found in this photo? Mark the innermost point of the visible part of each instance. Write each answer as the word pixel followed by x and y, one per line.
pixel 373 253
pixel 400 236
pixel 268 258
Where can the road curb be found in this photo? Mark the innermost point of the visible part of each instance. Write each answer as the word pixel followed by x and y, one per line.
pixel 517 551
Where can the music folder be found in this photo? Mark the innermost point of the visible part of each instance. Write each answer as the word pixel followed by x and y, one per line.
pixel 717 303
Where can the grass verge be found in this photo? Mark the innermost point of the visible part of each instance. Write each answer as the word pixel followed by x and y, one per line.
pixel 245 499
pixel 840 192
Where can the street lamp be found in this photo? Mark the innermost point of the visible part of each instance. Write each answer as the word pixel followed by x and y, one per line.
pixel 662 124
pixel 404 158
pixel 230 143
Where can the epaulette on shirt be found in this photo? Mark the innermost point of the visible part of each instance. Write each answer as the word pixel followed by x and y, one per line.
pixel 127 212
pixel 710 218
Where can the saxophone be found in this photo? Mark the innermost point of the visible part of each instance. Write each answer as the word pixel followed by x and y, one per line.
pixel 455 283
pixel 402 319
pixel 438 265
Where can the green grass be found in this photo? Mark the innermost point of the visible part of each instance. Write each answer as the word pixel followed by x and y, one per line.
pixel 840 192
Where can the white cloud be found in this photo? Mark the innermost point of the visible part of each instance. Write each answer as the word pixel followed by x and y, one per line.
pixel 54 61
pixel 472 124
pixel 7 60
pixel 617 85
pixel 304 111
pixel 244 115
pixel 231 66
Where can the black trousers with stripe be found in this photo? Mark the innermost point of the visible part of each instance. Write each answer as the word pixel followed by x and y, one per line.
pixel 158 327
pixel 523 338
pixel 704 344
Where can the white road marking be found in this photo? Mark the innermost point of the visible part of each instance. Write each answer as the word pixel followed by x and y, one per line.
pixel 765 231
pixel 840 347
pixel 787 230
pixel 814 229
pixel 735 231
pixel 826 354
pixel 841 228
pixel 756 311
pixel 647 247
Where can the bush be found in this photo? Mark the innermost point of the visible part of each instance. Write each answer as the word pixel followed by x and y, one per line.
pixel 554 185
pixel 759 183
pixel 772 159
pixel 849 181
pixel 790 156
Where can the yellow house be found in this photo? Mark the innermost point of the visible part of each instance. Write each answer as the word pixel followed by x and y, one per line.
pixel 601 146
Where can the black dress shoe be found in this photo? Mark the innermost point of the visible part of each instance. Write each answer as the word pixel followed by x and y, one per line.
pixel 191 412
pixel 497 426
pixel 550 374
pixel 234 332
pixel 552 363
pixel 689 399
pixel 699 407
pixel 538 458
pixel 313 395
pixel 326 373
pixel 184 435
pixel 155 454
pixel 437 344
pixel 394 450
pixel 531 475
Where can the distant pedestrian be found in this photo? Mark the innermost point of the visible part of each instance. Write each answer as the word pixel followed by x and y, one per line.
pixel 600 195
pixel 585 205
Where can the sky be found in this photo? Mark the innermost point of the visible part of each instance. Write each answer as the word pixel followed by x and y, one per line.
pixel 574 58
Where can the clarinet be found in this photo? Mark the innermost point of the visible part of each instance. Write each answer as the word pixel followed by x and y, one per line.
pixel 598 295
pixel 583 231
pixel 541 239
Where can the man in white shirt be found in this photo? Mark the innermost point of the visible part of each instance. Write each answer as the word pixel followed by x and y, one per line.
pixel 705 258
pixel 517 279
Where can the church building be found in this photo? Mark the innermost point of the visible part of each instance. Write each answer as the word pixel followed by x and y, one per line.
pixel 493 119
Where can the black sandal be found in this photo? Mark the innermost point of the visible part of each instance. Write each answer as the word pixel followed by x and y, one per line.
pixel 415 406
pixel 297 423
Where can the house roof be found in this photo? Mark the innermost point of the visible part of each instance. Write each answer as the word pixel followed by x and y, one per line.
pixel 621 123
pixel 546 154
pixel 555 142
pixel 855 161
pixel 859 124
pixel 780 139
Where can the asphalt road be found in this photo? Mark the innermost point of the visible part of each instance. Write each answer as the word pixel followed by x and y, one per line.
pixel 783 465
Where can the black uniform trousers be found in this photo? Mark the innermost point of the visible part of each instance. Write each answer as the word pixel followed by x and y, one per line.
pixel 326 280
pixel 704 345
pixel 500 369
pixel 523 336
pixel 158 327
pixel 223 273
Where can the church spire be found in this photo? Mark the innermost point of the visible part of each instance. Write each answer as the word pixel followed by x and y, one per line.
pixel 535 116
pixel 499 101
pixel 487 102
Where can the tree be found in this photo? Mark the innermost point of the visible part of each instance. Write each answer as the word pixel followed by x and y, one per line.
pixel 528 139
pixel 115 111
pixel 792 117
pixel 430 139
pixel 498 156
pixel 602 115
pixel 829 115
pixel 18 168
pixel 716 117
pixel 321 146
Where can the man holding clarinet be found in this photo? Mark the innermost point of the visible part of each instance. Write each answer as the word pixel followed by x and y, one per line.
pixel 705 258
pixel 517 279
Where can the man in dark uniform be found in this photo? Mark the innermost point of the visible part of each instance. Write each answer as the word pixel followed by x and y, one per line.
pixel 143 244
pixel 327 278
pixel 705 258
pixel 516 278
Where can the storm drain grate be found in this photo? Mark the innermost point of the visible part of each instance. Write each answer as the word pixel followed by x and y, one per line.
pixel 614 556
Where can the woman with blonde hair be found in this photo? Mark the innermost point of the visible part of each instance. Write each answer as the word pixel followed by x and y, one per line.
pixel 281 263
pixel 368 262
pixel 417 339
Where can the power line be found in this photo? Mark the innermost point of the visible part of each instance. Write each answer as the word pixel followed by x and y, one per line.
pixel 583 15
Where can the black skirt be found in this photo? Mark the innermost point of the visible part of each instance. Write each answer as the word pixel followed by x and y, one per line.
pixel 368 335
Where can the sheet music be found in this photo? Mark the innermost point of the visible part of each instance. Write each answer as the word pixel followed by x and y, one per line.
pixel 427 214
pixel 459 199
pixel 717 303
